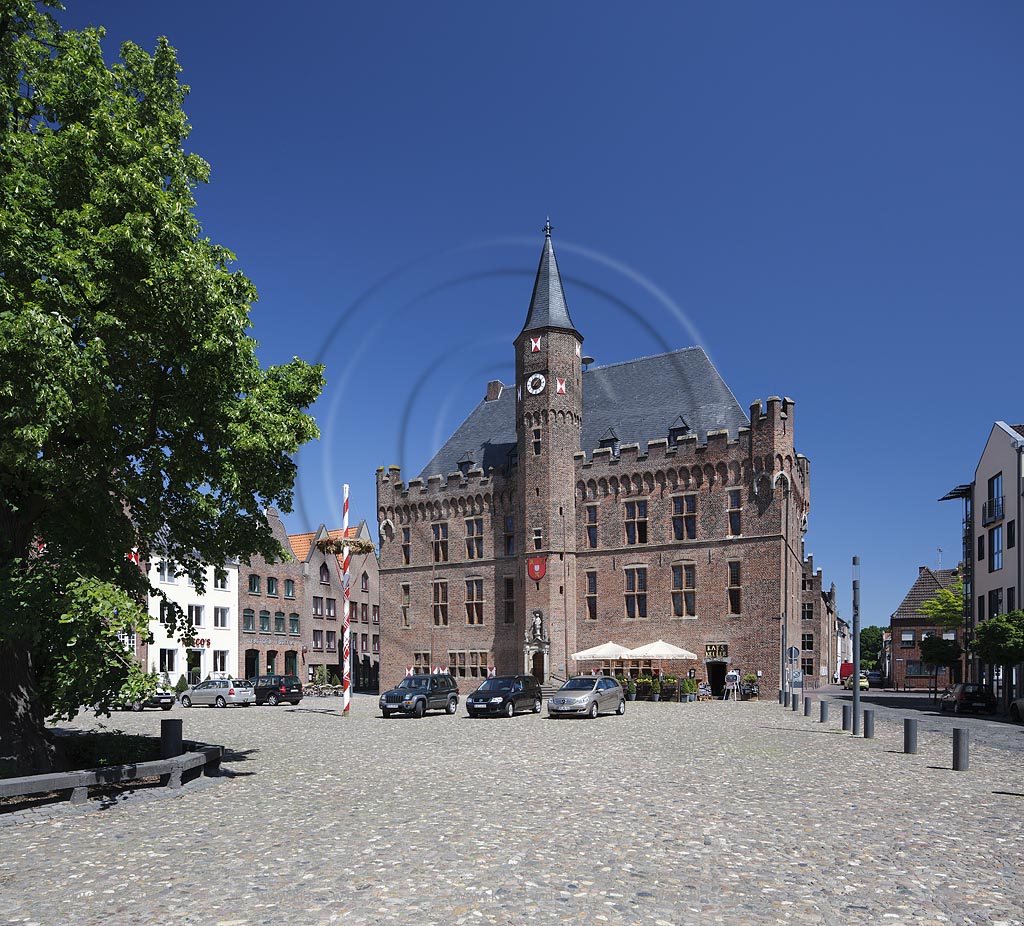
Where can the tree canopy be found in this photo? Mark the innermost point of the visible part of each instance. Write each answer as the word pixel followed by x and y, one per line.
pixel 134 413
pixel 999 640
pixel 870 646
pixel 946 607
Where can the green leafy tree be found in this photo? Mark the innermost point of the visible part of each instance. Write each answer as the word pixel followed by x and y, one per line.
pixel 999 641
pixel 133 409
pixel 870 646
pixel 946 608
pixel 936 652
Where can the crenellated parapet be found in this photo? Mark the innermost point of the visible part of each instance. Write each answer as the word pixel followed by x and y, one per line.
pixel 459 494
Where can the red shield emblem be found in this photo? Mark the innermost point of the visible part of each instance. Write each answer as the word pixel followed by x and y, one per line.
pixel 536 566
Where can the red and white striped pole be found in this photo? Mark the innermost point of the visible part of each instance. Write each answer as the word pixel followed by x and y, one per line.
pixel 346 604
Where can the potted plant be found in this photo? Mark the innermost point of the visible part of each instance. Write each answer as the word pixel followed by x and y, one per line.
pixel 631 689
pixel 689 688
pixel 656 688
pixel 643 686
pixel 750 688
pixel 669 686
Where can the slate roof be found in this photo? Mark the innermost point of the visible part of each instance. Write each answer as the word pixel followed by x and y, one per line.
pixel 1019 428
pixel 639 399
pixel 547 304
pixel 928 583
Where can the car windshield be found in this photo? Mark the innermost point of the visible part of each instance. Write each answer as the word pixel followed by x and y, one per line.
pixel 415 682
pixel 241 683
pixel 578 684
pixel 496 684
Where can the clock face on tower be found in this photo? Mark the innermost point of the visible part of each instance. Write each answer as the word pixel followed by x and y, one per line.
pixel 536 383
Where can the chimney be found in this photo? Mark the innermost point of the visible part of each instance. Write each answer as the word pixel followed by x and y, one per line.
pixel 494 388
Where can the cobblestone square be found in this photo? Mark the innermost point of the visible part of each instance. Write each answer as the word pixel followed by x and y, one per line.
pixel 712 812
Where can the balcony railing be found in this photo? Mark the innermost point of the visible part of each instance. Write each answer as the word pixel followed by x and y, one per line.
pixel 992 510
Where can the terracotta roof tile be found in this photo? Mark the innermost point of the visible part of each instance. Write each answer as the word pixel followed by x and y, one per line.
pixel 928 583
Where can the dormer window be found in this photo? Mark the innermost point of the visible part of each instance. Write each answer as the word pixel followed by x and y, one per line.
pixel 610 441
pixel 466 463
pixel 678 430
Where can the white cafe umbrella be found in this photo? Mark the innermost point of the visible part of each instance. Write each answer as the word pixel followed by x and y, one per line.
pixel 659 649
pixel 607 650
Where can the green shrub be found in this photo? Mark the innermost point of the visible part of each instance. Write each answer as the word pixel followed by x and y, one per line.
pixel 334 679
pixel 182 685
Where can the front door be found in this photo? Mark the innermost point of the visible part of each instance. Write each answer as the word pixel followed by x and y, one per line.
pixel 716 677
pixel 538 666
pixel 195 666
pixel 252 663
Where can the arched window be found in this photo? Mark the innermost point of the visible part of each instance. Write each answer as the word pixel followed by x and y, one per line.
pixel 364 582
pixel 325 574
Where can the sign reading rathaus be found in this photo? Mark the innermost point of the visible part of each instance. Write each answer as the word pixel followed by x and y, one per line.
pixel 630 502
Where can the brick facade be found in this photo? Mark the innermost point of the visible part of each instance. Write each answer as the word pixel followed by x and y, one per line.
pixel 818 617
pixel 268 607
pixel 733 567
pixel 908 626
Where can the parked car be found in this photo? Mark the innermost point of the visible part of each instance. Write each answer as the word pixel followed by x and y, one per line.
pixel 504 695
pixel 273 689
pixel 417 694
pixel 864 683
pixel 875 678
pixel 588 695
pixel 1017 710
pixel 967 696
pixel 161 698
pixel 219 692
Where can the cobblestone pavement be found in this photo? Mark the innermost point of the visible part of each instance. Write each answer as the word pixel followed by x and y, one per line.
pixel 714 812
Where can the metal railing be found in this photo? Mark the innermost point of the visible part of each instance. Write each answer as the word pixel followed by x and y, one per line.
pixel 992 510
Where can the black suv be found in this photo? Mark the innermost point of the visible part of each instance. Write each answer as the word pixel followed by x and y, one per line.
pixel 504 695
pixel 967 697
pixel 417 694
pixel 272 689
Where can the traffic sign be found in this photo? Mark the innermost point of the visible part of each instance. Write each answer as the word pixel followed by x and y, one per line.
pixel 793 653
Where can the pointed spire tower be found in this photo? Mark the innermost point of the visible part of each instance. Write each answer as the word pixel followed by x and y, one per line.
pixel 549 419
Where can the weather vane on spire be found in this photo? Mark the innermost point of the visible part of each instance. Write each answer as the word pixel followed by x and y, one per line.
pixel 547 227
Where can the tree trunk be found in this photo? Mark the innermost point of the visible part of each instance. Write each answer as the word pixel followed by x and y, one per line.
pixel 24 747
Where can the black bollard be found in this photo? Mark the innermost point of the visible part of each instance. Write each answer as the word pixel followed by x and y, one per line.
pixel 823 705
pixel 170 739
pixel 794 704
pixel 807 707
pixel 869 724
pixel 910 736
pixel 961 749
pixel 847 717
pixel 782 697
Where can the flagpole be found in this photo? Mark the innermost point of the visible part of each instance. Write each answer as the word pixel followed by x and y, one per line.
pixel 346 604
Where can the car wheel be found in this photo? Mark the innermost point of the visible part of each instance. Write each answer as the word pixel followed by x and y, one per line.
pixel 621 709
pixel 536 705
pixel 453 706
pixel 186 701
pixel 166 707
pixel 385 713
pixel 136 706
pixel 1014 713
pixel 272 700
pixel 593 710
pixel 220 702
pixel 510 709
pixel 419 709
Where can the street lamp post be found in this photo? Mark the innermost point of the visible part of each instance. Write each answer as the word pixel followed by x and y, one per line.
pixel 856 645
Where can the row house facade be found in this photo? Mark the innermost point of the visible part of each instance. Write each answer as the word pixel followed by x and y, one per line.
pixel 630 502
pixel 212 614
pixel 821 629
pixel 908 627
pixel 324 598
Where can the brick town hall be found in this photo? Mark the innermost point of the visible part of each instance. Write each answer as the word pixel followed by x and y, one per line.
pixel 631 502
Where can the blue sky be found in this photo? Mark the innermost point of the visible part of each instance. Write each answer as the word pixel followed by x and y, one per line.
pixel 827 197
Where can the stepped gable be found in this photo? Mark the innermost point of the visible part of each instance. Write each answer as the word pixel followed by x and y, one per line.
pixel 927 585
pixel 640 399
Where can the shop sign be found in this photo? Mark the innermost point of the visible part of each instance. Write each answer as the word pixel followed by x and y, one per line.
pixel 716 650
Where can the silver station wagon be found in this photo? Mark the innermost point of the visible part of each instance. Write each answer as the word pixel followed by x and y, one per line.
pixel 219 692
pixel 587 695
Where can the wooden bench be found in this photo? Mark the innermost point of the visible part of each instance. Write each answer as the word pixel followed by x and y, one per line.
pixel 200 759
